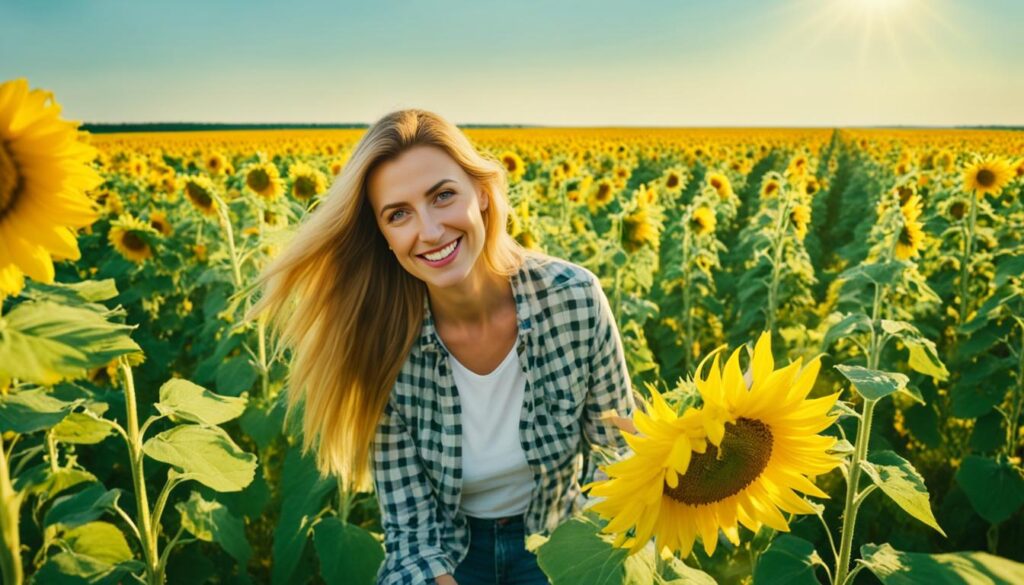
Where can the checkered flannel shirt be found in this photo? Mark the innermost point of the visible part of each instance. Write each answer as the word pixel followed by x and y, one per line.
pixel 569 347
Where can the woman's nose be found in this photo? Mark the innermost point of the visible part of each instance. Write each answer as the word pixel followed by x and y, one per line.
pixel 431 229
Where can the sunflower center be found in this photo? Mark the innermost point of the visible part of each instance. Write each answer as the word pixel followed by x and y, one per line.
pixel 986 178
pixel 258 180
pixel 304 187
pixel 745 451
pixel 133 242
pixel 672 182
pixel 906 238
pixel 10 180
pixel 199 195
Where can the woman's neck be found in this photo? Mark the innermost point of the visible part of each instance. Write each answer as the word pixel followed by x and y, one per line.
pixel 472 305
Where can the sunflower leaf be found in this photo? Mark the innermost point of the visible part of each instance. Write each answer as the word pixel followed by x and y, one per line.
pixel 995 487
pixel 903 484
pixel 205 454
pixel 32 410
pixel 45 342
pixel 211 521
pixel 348 553
pixel 874 384
pixel 924 356
pixel 182 400
pixel 788 561
pixel 894 567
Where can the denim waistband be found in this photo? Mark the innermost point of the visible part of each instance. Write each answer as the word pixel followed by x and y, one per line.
pixel 504 521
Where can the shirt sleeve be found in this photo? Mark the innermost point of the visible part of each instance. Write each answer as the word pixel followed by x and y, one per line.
pixel 609 384
pixel 408 506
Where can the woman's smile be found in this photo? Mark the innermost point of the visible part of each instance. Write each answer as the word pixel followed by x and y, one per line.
pixel 443 256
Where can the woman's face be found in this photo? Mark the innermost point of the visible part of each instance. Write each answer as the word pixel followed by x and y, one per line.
pixel 424 203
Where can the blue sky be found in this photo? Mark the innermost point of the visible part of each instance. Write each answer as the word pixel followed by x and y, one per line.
pixel 578 63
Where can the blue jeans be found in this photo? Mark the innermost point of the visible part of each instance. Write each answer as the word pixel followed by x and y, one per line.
pixel 498 556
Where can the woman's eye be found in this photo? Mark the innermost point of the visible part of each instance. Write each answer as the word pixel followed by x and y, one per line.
pixel 452 193
pixel 394 215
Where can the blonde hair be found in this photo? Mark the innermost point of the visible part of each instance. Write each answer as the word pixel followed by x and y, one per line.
pixel 348 310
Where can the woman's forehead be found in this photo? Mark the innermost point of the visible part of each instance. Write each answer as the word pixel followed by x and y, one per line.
pixel 412 173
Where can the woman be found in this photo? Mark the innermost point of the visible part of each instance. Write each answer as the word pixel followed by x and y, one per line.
pixel 474 373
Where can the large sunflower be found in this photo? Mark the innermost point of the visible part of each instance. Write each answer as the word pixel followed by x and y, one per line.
pixel 721 184
pixel 987 176
pixel 513 165
pixel 702 220
pixel 740 459
pixel 131 238
pixel 44 173
pixel 306 181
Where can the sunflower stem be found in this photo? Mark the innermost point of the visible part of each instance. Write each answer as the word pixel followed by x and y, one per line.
pixel 852 486
pixel 149 544
pixel 10 503
pixel 688 318
pixel 779 244
pixel 968 249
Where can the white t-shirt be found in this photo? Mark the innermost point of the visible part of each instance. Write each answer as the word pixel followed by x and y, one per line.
pixel 496 479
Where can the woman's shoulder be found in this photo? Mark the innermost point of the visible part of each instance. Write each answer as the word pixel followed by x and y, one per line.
pixel 550 273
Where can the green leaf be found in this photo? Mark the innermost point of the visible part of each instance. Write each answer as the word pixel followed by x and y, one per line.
pixel 903 484
pixel 213 522
pixel 894 567
pixel 878 273
pixel 924 356
pixel 81 507
pixel 348 554
pixel 849 324
pixel 45 483
pixel 679 573
pixel 205 454
pixel 303 492
pixel 788 561
pixel 988 434
pixel 577 554
pixel 1009 266
pixel 98 540
pixel 873 384
pixel 75 293
pixel 994 487
pixel 33 410
pixel 44 342
pixel 182 400
pixel 70 568
pixel 923 423
pixel 82 428
pixel 236 375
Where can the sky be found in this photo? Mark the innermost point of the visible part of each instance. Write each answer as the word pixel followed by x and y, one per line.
pixel 544 62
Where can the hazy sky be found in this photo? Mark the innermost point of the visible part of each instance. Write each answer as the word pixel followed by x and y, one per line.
pixel 584 62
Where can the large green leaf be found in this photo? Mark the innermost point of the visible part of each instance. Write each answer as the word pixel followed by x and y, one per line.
pixel 213 522
pixel 83 428
pixel 32 410
pixel 205 454
pixel 74 293
pixel 874 384
pixel 994 487
pixel 895 567
pixel 71 568
pixel 846 326
pixel 81 507
pixel 924 356
pixel 45 483
pixel 182 400
pixel 99 540
pixel 878 273
pixel 44 342
pixel 903 484
pixel 577 554
pixel 348 554
pixel 679 573
pixel 788 561
pixel 303 492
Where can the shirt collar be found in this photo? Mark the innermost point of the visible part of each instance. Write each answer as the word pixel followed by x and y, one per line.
pixel 522 290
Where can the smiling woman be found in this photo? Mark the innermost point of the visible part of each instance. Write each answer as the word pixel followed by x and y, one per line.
pixel 469 371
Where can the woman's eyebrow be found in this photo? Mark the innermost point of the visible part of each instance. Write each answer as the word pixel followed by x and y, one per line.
pixel 425 194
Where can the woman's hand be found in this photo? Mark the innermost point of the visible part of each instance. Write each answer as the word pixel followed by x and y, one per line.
pixel 623 423
pixel 445 579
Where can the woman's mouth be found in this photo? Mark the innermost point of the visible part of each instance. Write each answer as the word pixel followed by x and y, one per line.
pixel 443 256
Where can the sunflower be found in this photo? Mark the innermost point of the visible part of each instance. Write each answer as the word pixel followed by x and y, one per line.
pixel 911 237
pixel 770 186
pixel 131 237
pixel 640 228
pixel 800 216
pixel 306 181
pixel 600 194
pixel 720 183
pixel 987 176
pixel 645 195
pixel 44 173
pixel 264 179
pixel 702 221
pixel 740 459
pixel 797 166
pixel 158 221
pixel 199 190
pixel 673 182
pixel 215 163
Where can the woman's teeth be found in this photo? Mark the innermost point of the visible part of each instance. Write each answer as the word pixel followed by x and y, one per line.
pixel 443 253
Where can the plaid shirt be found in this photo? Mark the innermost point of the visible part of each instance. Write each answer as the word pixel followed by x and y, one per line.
pixel 569 347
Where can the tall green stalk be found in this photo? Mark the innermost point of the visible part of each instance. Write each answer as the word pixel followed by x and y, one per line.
pixel 966 260
pixel 10 504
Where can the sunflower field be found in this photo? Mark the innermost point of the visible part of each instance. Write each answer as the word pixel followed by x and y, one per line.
pixel 824 329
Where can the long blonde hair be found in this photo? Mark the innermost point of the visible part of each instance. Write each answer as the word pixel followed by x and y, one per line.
pixel 347 309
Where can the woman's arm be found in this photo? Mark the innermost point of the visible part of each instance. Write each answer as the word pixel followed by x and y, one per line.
pixel 412 530
pixel 609 386
pixel 446 579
